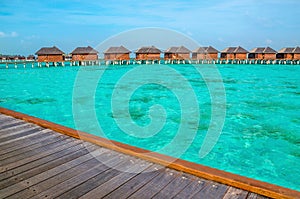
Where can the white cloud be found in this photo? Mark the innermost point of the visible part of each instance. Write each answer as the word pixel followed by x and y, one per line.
pixel 220 39
pixel 2 34
pixel 269 41
pixel 12 34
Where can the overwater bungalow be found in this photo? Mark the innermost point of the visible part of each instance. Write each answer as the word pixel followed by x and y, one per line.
pixel 148 53
pixel 30 58
pixel 177 53
pixel 19 58
pixel 205 53
pixel 262 53
pixel 50 54
pixel 289 54
pixel 296 53
pixel 84 54
pixel 234 53
pixel 10 57
pixel 117 53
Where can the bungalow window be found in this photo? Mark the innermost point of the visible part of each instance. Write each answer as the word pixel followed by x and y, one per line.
pixel 280 56
pixel 251 56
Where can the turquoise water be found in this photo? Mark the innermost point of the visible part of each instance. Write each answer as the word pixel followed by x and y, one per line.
pixel 260 138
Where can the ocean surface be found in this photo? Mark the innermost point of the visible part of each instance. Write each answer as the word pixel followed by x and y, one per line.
pixel 171 110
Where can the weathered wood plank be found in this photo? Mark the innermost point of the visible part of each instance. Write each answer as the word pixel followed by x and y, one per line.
pixel 56 179
pixel 234 193
pixel 134 184
pixel 37 160
pixel 14 128
pixel 172 189
pixel 7 121
pixel 103 186
pixel 155 185
pixel 44 164
pixel 58 146
pixel 15 124
pixel 193 188
pixel 24 133
pixel 34 132
pixel 18 130
pixel 212 190
pixel 255 196
pixel 3 117
pixel 31 146
pixel 63 171
pixel 30 153
pixel 61 188
pixel 18 144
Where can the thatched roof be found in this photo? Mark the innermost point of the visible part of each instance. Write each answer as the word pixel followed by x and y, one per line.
pixel 117 50
pixel 211 49
pixel 200 50
pixel 203 50
pixel 148 49
pixel 269 50
pixel 228 50
pixel 30 57
pixel 180 49
pixel 257 50
pixel 238 49
pixel 286 50
pixel 297 50
pixel 49 51
pixel 84 50
pixel 266 50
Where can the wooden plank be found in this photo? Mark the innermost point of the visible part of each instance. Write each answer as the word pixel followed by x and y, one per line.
pixel 104 186
pixel 18 130
pixel 252 196
pixel 156 184
pixel 234 193
pixel 20 189
pixel 135 183
pixel 255 196
pixel 172 189
pixel 29 153
pixel 45 164
pixel 14 128
pixel 212 190
pixel 63 187
pixel 6 126
pixel 31 146
pixel 45 151
pixel 24 133
pixel 7 121
pixel 17 145
pixel 44 185
pixel 97 181
pixel 37 160
pixel 194 187
pixel 3 117
pixel 29 134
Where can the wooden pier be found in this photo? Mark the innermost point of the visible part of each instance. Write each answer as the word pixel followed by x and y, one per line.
pixel 40 161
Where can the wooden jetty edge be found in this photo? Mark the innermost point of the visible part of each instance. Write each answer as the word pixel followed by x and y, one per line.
pixel 215 175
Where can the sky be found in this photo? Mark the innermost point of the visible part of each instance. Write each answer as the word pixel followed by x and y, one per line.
pixel 26 26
